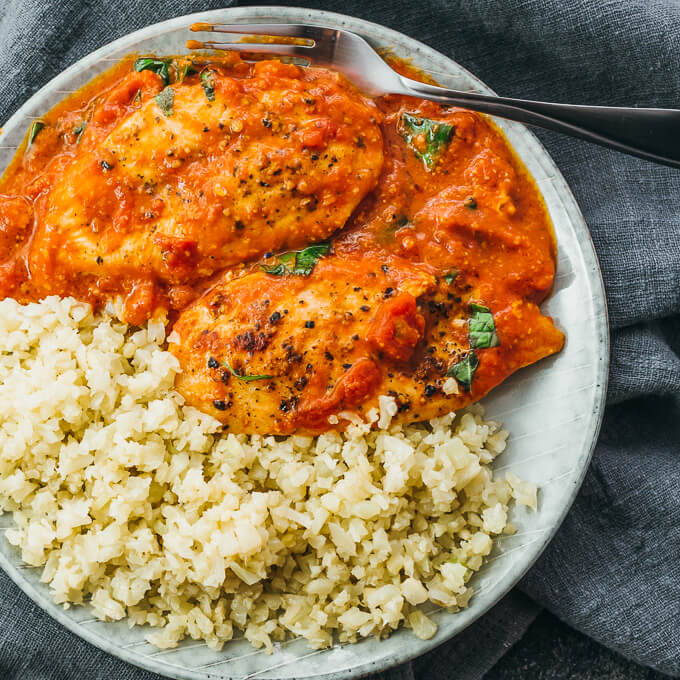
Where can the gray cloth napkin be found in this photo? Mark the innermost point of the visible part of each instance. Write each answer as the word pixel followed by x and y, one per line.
pixel 613 570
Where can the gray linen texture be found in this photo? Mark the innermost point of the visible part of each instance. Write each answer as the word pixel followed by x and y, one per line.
pixel 613 570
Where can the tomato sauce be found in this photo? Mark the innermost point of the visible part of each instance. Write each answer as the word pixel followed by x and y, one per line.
pixel 151 187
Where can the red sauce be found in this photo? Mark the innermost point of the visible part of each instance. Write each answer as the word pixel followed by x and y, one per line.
pixel 155 194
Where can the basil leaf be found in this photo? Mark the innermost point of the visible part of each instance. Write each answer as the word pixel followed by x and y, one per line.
pixel 208 82
pixel 285 265
pixel 482 328
pixel 464 370
pixel 450 277
pixel 300 262
pixel 437 136
pixel 78 131
pixel 160 67
pixel 275 270
pixel 33 132
pixel 165 101
pixel 306 259
pixel 246 378
pixel 389 230
pixel 187 70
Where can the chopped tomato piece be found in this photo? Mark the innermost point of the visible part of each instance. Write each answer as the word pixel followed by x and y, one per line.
pixel 398 327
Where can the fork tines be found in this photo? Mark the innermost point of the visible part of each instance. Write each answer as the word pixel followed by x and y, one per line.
pixel 277 40
pixel 305 31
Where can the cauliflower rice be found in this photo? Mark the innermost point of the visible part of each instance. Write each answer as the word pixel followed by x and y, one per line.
pixel 142 507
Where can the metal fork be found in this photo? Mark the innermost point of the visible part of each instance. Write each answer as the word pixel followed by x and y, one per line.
pixel 650 133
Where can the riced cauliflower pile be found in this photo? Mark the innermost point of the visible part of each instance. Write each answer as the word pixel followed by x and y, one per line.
pixel 141 506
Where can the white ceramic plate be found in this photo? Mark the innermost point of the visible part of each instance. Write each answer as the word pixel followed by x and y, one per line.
pixel 553 409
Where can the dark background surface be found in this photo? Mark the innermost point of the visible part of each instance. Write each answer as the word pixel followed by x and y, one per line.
pixel 550 650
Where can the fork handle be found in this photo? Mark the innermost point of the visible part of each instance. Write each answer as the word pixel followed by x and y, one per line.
pixel 653 134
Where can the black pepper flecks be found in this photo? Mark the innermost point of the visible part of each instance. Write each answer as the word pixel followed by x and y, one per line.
pixel 403 405
pixel 288 404
pixel 213 363
pixel 220 405
pixel 309 324
pixel 252 342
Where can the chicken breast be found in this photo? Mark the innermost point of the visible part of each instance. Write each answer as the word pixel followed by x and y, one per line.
pixel 174 184
pixel 277 353
pixel 413 247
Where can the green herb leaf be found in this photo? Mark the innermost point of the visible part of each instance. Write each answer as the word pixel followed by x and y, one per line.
pixel 186 70
pixel 33 132
pixel 165 101
pixel 246 378
pixel 208 82
pixel 389 230
pixel 464 370
pixel 275 270
pixel 437 136
pixel 159 66
pixel 482 328
pixel 285 265
pixel 470 202
pixel 450 277
pixel 78 131
pixel 306 259
pixel 301 262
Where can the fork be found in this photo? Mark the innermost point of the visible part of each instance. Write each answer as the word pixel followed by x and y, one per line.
pixel 649 133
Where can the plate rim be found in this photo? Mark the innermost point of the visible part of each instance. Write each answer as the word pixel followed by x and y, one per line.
pixel 586 248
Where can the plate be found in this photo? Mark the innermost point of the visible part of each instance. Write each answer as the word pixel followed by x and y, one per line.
pixel 552 409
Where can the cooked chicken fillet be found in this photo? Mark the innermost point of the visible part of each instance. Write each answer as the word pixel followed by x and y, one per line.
pixel 206 173
pixel 282 354
pixel 412 247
